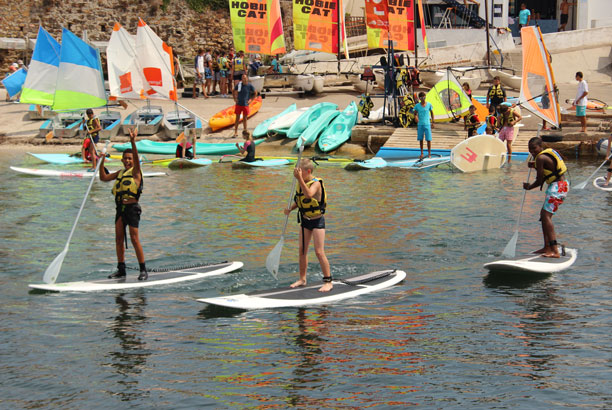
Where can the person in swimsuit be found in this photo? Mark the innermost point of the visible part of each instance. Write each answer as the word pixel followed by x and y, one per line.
pixel 310 200
pixel 248 148
pixel 564 7
pixel 551 169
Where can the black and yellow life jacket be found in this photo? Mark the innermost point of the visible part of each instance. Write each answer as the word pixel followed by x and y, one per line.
pixel 90 127
pixel 504 119
pixel 471 122
pixel 496 92
pixel 310 207
pixel 125 187
pixel 491 121
pixel 560 167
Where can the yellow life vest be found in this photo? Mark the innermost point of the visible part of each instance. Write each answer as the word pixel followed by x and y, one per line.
pixel 496 92
pixel 310 207
pixel 561 168
pixel 125 187
pixel 469 120
pixel 90 126
pixel 238 64
pixel 505 119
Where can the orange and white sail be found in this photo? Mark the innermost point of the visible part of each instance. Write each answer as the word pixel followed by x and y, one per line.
pixel 125 77
pixel 157 63
pixel 538 88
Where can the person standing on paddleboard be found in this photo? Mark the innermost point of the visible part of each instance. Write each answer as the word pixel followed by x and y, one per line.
pixel 423 111
pixel 243 94
pixel 310 200
pixel 92 129
pixel 127 191
pixel 550 168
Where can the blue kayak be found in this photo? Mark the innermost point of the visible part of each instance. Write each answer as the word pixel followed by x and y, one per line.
pixel 310 134
pixel 59 159
pixel 169 148
pixel 339 131
pixel 304 121
pixel 262 128
pixel 261 163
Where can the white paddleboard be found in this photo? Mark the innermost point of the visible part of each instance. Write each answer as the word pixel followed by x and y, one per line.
pixel 184 163
pixel 71 174
pixel 479 153
pixel 310 295
pixel 165 277
pixel 599 183
pixel 533 263
pixel 423 163
pixel 371 163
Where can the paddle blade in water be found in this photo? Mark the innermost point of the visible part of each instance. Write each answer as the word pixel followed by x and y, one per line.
pixel 581 185
pixel 273 259
pixel 49 136
pixel 54 268
pixel 510 249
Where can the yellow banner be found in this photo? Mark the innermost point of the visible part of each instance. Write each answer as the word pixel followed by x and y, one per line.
pixel 257 26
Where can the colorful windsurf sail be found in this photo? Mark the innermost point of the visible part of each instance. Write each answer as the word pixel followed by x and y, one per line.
pixel 448 99
pixel 538 79
pixel 315 25
pixel 14 82
pixel 399 28
pixel 79 78
pixel 125 77
pixel 157 62
pixel 39 86
pixel 257 26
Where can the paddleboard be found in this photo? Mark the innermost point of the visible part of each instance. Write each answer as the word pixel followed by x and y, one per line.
pixel 479 153
pixel 156 278
pixel 371 163
pixel 310 295
pixel 599 183
pixel 533 263
pixel 419 164
pixel 184 163
pixel 261 163
pixel 71 174
pixel 59 159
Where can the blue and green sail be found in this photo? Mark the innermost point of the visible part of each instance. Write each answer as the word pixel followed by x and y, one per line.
pixel 39 86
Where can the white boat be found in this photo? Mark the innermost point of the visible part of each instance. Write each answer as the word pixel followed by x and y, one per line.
pixel 257 82
pixel 279 80
pixel 375 116
pixel 63 125
pixel 178 121
pixel 430 78
pixel 40 112
pixel 319 83
pixel 281 125
pixel 507 79
pixel 304 82
pixel 147 119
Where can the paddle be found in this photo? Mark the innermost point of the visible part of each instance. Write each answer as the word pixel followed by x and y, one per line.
pixel 510 249
pixel 273 259
pixel 53 270
pixel 180 137
pixel 583 184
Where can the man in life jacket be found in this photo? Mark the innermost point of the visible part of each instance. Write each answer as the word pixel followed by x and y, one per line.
pixel 471 122
pixel 92 129
pixel 551 169
pixel 310 200
pixel 496 94
pixel 127 190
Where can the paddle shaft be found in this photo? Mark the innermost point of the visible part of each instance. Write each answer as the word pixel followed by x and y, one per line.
pixel 582 185
pixel 291 193
pixel 518 221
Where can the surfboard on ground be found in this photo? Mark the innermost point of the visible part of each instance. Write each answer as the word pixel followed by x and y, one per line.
pixel 479 153
pixel 310 295
pixel 156 278
pixel 371 163
pixel 185 163
pixel 599 183
pixel 423 163
pixel 262 128
pixel 72 174
pixel 261 163
pixel 533 263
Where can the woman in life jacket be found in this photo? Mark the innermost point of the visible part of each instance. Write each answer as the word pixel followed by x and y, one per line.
pixel 247 148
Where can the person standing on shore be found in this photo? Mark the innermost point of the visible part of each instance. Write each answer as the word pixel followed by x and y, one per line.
pixel 199 74
pixel 243 94
pixel 224 73
pixel 524 17
pixel 564 7
pixel 550 168
pixel 425 118
pixel 127 191
pixel 239 67
pixel 581 101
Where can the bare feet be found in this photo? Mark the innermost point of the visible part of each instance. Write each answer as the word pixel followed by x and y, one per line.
pixel 540 250
pixel 551 255
pixel 327 286
pixel 298 283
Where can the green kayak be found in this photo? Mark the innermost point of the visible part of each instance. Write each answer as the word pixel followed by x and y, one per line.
pixel 339 131
pixel 262 128
pixel 310 134
pixel 314 112
pixel 169 148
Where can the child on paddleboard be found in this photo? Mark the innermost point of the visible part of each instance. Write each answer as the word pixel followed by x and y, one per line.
pixel 127 191
pixel 310 200
pixel 550 168
pixel 248 148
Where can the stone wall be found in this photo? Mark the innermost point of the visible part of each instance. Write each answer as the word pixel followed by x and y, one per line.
pixel 182 28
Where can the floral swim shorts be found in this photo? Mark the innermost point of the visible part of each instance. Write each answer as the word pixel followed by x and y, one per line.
pixel 555 194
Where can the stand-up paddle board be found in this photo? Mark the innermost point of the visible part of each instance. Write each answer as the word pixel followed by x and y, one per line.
pixel 371 163
pixel 533 263
pixel 424 163
pixel 156 277
pixel 310 295
pixel 71 174
pixel 261 163
pixel 479 153
pixel 184 163
pixel 599 183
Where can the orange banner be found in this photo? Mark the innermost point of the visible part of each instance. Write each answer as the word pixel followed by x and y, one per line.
pixel 400 15
pixel 315 25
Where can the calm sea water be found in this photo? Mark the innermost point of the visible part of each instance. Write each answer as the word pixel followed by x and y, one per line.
pixel 447 337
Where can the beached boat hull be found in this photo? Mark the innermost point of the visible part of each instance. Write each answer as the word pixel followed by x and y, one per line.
pixel 176 122
pixel 257 82
pixel 304 82
pixel 147 119
pixel 43 112
pixel 507 80
pixel 63 125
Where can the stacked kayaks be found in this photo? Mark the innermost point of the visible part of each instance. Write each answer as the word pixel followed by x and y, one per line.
pixel 309 117
pixel 316 127
pixel 282 124
pixel 262 128
pixel 339 131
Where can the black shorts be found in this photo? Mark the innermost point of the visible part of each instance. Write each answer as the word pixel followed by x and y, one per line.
pixel 129 213
pixel 95 138
pixel 238 76
pixel 311 224
pixel 564 18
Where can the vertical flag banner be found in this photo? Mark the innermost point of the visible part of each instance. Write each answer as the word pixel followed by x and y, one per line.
pixel 315 25
pixel 423 31
pixel 257 26
pixel 39 86
pixel 400 17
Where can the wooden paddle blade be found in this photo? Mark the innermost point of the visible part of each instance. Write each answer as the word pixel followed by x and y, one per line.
pixel 510 249
pixel 180 137
pixel 49 136
pixel 273 259
pixel 54 268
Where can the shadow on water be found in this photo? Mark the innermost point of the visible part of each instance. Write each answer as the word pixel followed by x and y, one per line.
pixel 213 312
pixel 505 280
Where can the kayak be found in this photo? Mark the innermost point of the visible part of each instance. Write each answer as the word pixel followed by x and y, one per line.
pixel 169 148
pixel 227 117
pixel 282 124
pixel 261 163
pixel 310 134
pixel 262 128
pixel 371 163
pixel 339 130
pixel 309 117
pixel 71 174
pixel 184 163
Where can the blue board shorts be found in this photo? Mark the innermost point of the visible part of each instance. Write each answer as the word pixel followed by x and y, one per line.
pixel 555 195
pixel 223 73
pixel 581 111
pixel 424 131
pixel 207 73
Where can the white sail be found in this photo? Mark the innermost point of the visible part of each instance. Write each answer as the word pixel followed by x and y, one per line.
pixel 125 76
pixel 156 60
